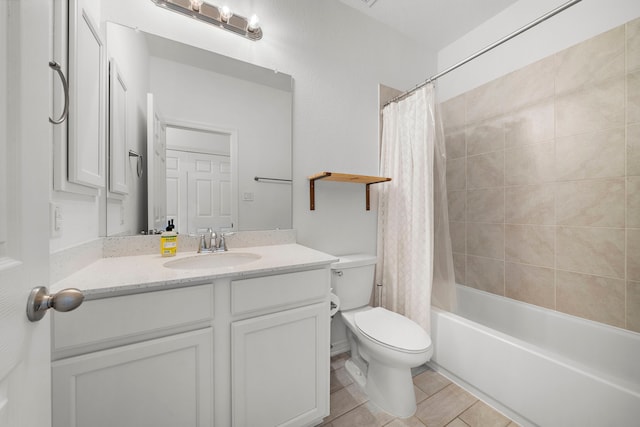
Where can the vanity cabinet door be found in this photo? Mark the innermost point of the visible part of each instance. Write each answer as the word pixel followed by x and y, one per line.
pixel 163 382
pixel 280 367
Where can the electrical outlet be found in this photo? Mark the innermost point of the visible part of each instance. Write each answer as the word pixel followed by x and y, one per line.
pixel 56 220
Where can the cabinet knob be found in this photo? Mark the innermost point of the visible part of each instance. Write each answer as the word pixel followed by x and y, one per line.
pixel 40 301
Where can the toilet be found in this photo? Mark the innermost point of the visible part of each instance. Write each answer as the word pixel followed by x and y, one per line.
pixel 384 345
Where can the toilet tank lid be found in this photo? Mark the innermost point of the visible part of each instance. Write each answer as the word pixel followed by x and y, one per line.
pixel 354 260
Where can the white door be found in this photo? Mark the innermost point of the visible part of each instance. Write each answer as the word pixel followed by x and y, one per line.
pixel 25 143
pixel 156 167
pixel 199 194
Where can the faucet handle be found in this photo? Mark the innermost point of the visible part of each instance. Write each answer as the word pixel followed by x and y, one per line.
pixel 203 243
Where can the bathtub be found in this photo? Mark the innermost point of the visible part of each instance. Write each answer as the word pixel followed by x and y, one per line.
pixel 538 366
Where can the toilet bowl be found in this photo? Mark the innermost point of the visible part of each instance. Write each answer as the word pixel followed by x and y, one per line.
pixel 384 345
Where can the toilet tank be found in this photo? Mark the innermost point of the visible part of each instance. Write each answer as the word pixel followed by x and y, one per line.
pixel 352 280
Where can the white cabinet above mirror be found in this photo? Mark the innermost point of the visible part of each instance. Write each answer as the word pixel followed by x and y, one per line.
pixel 79 142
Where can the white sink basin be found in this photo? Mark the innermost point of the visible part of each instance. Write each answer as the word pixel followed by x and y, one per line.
pixel 215 260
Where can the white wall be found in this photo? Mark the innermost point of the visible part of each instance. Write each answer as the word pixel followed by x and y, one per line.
pixel 580 22
pixel 337 59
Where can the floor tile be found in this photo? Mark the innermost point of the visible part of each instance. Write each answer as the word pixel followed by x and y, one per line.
pixel 420 395
pixel 338 361
pixel 344 400
pixel 444 406
pixel 365 415
pixel 339 378
pixel 430 382
pixel 483 415
pixel 405 422
pixel 440 403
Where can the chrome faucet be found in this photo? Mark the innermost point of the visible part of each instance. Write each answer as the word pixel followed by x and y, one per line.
pixel 209 242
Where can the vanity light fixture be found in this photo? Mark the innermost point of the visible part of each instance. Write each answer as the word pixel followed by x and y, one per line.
pixel 221 17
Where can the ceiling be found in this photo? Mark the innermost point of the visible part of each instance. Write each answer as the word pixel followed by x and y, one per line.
pixel 434 23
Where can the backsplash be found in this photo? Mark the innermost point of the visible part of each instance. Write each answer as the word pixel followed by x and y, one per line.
pixel 543 178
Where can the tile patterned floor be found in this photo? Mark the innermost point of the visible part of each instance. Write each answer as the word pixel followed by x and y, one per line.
pixel 440 403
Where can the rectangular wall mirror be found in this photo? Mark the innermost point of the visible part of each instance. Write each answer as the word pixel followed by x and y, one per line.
pixel 206 125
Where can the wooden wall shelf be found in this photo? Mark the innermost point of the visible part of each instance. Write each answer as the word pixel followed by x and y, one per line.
pixel 343 177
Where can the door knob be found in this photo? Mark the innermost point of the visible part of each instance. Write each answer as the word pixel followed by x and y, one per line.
pixel 40 301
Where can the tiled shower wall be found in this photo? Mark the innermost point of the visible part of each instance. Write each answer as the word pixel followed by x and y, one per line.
pixel 543 178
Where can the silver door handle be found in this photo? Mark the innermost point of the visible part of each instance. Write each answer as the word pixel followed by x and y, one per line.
pixel 40 301
pixel 56 67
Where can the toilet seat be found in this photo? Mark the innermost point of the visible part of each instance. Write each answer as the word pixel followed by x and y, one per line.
pixel 392 330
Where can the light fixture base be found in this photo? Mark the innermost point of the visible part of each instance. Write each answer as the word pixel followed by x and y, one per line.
pixel 213 15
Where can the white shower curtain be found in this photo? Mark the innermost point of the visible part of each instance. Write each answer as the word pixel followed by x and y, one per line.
pixel 415 265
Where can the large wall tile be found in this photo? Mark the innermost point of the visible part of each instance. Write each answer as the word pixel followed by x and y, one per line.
pixel 485 101
pixel 591 297
pixel 633 202
pixel 633 45
pixel 459 267
pixel 633 97
pixel 530 204
pixel 457 205
pixel 455 145
pixel 633 150
pixel 599 58
pixel 485 205
pixel 530 126
pixel 633 306
pixel 599 203
pixel 453 116
pixel 597 154
pixel 533 285
pixel 598 106
pixel 529 165
pixel 457 231
pixel 485 170
pixel 596 251
pixel 529 85
pixel 485 274
pixel 530 244
pixel 544 180
pixel 633 254
pixel 485 240
pixel 485 137
pixel 456 174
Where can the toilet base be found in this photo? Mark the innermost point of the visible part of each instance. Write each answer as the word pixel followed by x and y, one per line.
pixel 358 376
pixel 391 389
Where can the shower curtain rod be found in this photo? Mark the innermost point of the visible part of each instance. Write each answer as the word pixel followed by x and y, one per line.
pixel 486 49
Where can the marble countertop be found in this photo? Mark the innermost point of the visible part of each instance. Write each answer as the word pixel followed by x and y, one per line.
pixel 117 276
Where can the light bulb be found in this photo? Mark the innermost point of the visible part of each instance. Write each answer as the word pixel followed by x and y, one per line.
pixel 225 13
pixel 195 4
pixel 254 23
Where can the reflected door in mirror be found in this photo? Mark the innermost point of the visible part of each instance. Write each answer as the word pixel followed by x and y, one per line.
pixel 199 191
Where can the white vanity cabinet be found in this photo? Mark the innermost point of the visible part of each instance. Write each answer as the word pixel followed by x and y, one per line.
pixel 243 351
pixel 135 360
pixel 280 360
